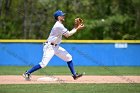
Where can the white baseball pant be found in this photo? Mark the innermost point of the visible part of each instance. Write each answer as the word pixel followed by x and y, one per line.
pixel 50 50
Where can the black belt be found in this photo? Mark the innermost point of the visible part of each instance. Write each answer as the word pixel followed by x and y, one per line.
pixel 52 44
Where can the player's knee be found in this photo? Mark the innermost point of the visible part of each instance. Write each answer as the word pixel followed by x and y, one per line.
pixel 42 65
pixel 68 58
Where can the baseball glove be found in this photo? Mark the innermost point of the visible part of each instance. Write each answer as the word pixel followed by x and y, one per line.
pixel 78 21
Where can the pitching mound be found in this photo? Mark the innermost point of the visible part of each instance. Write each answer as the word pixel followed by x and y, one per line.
pixel 15 79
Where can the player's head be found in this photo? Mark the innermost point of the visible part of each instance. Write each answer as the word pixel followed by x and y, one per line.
pixel 59 15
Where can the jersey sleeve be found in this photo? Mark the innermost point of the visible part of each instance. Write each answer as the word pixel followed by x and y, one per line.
pixel 64 30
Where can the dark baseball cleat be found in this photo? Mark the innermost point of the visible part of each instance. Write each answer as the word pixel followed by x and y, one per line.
pixel 27 76
pixel 75 77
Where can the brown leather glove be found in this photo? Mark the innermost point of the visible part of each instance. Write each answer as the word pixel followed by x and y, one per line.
pixel 78 21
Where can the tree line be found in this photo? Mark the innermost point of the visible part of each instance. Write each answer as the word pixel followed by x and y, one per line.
pixel 103 19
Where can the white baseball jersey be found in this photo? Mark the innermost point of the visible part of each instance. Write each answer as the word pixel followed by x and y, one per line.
pixel 49 50
pixel 56 33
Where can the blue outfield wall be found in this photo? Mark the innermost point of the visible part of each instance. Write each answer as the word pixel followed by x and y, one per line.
pixel 84 54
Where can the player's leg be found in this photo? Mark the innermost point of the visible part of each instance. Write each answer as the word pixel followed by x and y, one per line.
pixel 48 53
pixel 63 54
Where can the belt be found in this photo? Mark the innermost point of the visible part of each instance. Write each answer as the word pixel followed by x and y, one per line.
pixel 52 44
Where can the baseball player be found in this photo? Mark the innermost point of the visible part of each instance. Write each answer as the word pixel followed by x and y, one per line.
pixel 52 47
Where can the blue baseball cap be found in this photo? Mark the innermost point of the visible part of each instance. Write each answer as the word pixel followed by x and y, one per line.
pixel 58 13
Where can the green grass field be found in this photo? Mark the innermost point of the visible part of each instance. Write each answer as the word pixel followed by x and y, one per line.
pixel 71 88
pixel 18 70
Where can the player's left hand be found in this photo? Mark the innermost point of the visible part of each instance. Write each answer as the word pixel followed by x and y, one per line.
pixel 79 23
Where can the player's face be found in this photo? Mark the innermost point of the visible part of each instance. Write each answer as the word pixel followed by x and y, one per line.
pixel 61 18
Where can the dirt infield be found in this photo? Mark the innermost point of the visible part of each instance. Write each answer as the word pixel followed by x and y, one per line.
pixel 16 79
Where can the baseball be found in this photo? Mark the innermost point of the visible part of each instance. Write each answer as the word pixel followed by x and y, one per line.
pixel 84 73
pixel 102 20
